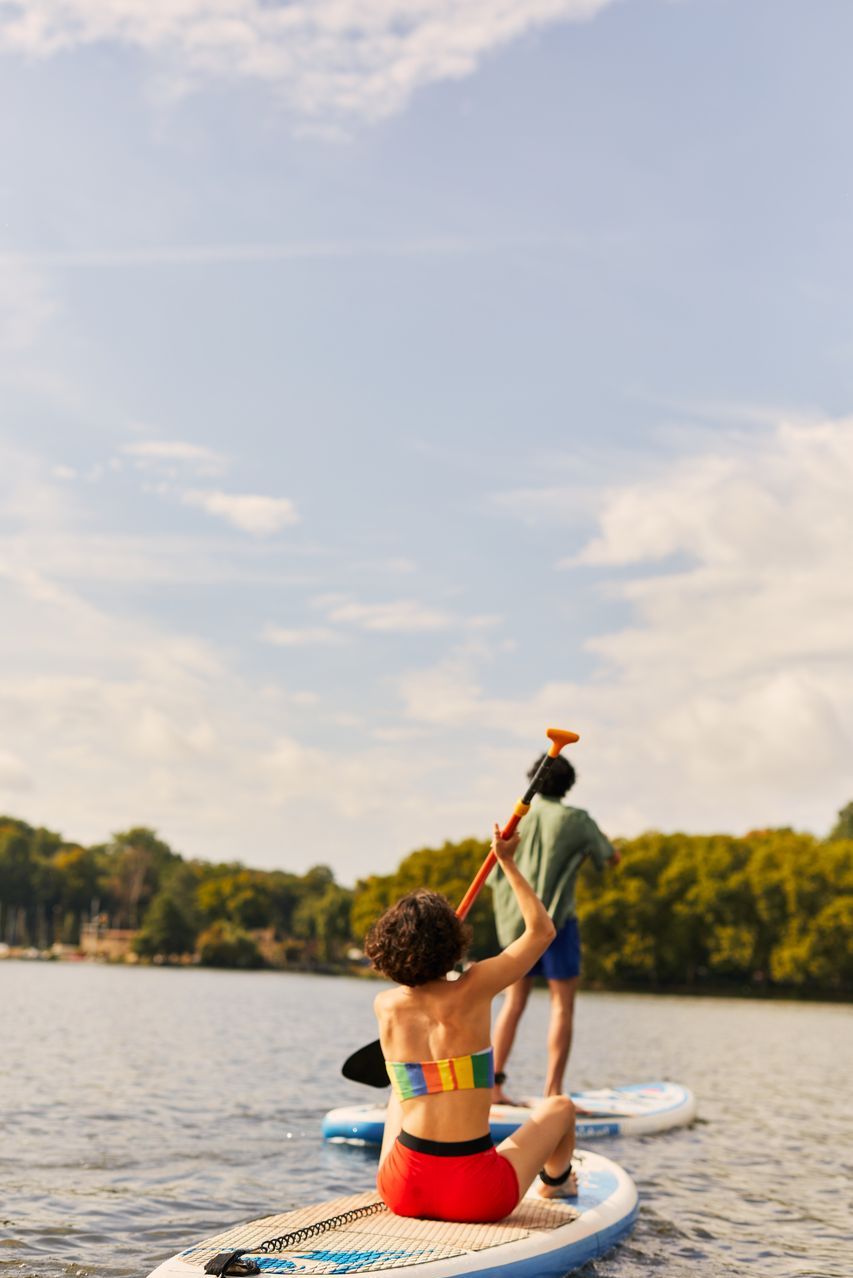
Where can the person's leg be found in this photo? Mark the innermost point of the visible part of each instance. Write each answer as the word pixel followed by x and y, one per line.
pixel 546 1141
pixel 515 1001
pixel 560 1032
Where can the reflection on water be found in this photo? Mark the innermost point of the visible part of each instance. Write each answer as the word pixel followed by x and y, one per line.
pixel 144 1108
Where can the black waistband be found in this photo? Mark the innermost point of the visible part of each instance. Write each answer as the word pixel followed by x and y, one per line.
pixel 447 1148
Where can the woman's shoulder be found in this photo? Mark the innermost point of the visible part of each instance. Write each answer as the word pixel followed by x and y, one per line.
pixel 468 984
pixel 386 999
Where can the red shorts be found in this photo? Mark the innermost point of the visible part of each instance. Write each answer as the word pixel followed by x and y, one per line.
pixel 448 1180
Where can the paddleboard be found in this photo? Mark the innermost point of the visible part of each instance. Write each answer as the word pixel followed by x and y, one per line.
pixel 635 1109
pixel 541 1239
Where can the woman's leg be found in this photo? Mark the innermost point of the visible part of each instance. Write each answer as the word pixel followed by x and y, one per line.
pixel 547 1140
pixel 515 1001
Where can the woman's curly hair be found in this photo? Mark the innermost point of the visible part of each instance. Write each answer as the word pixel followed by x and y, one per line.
pixel 419 939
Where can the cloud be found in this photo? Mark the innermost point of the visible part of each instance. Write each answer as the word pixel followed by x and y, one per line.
pixel 174 457
pixel 362 782
pixel 298 638
pixel 397 616
pixel 249 512
pixel 331 60
pixel 361 248
pixel 112 716
pixel 13 775
pixel 728 699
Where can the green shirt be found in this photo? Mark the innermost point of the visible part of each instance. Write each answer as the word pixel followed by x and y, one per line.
pixel 555 841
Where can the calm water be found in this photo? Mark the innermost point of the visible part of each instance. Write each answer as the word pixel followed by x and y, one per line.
pixel 146 1108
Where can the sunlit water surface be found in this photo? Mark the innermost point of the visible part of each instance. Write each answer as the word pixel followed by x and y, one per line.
pixel 146 1108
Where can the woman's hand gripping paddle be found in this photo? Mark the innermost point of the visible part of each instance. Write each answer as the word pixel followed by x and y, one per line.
pixel 367 1065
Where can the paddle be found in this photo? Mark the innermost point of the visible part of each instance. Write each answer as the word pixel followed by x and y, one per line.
pixel 367 1065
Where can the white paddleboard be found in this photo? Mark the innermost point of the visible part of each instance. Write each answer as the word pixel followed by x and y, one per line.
pixel 635 1109
pixel 541 1239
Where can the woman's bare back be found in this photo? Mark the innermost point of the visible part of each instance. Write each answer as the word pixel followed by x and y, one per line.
pixel 432 1022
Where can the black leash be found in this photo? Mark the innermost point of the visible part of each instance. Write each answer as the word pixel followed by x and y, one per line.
pixel 230 1264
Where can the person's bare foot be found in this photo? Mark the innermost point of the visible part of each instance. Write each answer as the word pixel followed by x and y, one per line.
pixel 569 1189
pixel 499 1097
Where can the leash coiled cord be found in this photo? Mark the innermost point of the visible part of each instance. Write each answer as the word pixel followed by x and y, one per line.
pixel 229 1264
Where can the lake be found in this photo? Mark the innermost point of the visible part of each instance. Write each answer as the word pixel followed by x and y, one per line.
pixel 144 1108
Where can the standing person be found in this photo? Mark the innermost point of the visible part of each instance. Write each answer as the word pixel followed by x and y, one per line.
pixel 438 1160
pixel 555 841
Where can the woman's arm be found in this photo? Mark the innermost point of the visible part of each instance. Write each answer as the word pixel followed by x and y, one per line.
pixel 495 974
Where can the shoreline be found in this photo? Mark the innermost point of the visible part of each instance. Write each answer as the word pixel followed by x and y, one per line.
pixel 775 994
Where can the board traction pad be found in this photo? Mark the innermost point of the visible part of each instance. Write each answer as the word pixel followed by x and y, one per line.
pixel 375 1242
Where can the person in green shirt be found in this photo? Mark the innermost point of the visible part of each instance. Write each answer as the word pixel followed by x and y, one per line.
pixel 555 842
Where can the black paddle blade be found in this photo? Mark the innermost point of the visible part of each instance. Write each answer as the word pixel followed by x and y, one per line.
pixel 367 1065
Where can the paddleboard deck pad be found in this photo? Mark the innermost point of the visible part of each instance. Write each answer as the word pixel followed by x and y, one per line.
pixel 636 1109
pixel 541 1239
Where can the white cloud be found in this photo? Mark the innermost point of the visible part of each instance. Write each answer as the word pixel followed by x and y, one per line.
pixel 396 616
pixel 13 775
pixel 330 60
pixel 728 700
pixel 359 248
pixel 725 701
pixel 174 456
pixel 115 717
pixel 355 785
pixel 300 638
pixel 249 512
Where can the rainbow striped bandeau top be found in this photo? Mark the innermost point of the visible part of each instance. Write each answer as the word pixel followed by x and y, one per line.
pixel 458 1073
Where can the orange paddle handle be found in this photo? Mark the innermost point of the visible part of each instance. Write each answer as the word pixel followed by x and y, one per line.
pixel 464 906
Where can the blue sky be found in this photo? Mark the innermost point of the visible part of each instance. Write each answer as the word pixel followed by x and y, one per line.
pixel 384 382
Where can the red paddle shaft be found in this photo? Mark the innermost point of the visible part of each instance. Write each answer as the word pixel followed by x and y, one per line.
pixel 558 739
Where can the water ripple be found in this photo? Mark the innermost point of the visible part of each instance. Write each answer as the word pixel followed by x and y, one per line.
pixel 160 1106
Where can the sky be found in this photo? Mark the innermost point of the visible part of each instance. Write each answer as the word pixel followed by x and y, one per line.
pixel 382 383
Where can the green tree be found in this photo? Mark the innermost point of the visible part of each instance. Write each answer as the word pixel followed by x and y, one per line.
pixel 78 872
pixel 134 863
pixel 225 945
pixel 843 828
pixel 169 928
pixel 238 894
pixel 323 919
pixel 449 870
pixel 17 864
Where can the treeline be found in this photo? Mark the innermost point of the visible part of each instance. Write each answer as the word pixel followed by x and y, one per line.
pixel 50 889
pixel 773 909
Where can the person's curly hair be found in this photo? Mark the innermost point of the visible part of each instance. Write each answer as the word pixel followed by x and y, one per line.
pixel 558 780
pixel 419 939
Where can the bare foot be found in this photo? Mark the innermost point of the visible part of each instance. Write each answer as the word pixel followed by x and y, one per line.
pixel 499 1097
pixel 569 1189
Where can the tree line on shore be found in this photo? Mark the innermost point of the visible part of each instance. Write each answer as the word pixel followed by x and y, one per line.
pixel 51 889
pixel 771 909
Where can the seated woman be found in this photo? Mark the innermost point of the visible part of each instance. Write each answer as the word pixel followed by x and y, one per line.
pixel 438 1160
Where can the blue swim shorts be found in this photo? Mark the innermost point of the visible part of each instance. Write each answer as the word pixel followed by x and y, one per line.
pixel 562 959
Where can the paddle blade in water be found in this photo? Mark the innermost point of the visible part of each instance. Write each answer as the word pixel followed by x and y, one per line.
pixel 367 1065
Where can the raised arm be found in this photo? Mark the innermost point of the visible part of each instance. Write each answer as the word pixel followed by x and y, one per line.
pixel 495 974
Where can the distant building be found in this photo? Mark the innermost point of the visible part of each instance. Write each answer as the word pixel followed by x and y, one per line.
pixel 111 943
